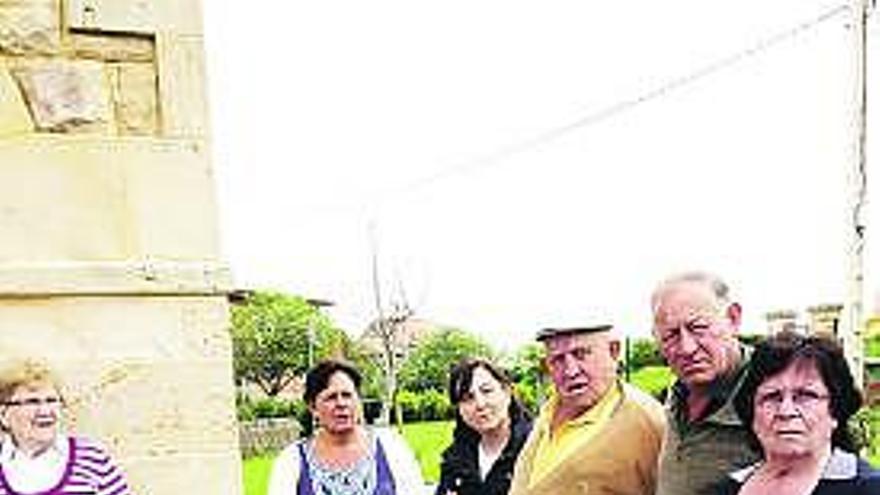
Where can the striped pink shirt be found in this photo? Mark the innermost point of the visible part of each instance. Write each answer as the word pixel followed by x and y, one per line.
pixel 89 471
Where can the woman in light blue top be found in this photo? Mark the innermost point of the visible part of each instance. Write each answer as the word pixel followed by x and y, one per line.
pixel 343 457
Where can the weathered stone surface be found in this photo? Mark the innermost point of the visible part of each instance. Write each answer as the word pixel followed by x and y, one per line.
pixel 182 90
pixel 137 16
pixel 122 278
pixel 67 96
pixel 135 97
pixel 30 26
pixel 113 15
pixel 87 198
pixel 14 117
pixel 112 47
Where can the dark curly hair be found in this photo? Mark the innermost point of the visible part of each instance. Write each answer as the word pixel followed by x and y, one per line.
pixel 778 352
pixel 460 378
pixel 318 378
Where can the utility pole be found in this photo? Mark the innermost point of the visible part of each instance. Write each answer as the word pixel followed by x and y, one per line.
pixel 856 198
pixel 317 304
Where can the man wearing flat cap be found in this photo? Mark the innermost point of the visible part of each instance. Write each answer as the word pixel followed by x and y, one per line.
pixel 595 434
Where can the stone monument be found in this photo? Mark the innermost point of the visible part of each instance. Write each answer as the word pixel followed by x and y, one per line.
pixel 109 263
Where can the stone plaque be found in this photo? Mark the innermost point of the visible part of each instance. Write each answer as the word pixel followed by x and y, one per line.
pixel 134 16
pixel 66 96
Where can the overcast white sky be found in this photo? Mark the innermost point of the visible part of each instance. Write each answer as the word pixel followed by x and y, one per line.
pixel 330 117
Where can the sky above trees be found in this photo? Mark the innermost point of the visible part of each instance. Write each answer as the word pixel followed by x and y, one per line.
pixel 517 163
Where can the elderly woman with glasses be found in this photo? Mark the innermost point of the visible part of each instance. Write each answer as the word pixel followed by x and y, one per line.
pixel 36 457
pixel 797 398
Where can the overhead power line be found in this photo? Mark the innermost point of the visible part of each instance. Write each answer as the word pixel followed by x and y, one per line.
pixel 617 108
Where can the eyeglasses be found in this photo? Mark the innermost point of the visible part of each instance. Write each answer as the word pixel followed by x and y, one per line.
pixel 33 402
pixel 802 398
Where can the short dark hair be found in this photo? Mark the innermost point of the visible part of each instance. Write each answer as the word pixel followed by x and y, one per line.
pixel 462 374
pixel 318 377
pixel 776 353
pixel 461 377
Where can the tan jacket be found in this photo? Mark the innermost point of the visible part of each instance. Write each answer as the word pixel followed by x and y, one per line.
pixel 620 460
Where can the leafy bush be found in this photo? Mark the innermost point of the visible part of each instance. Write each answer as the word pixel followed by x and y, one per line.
pixel 643 352
pixel 409 405
pixel 532 394
pixel 269 407
pixel 872 346
pixel 865 427
pixel 428 405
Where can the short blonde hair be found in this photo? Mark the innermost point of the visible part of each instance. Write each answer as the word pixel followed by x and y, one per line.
pixel 24 373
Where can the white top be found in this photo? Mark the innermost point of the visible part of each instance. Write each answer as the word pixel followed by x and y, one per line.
pixel 485 460
pixel 404 468
pixel 34 474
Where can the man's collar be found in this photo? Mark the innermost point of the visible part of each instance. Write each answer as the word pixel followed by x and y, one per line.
pixel 721 392
pixel 610 399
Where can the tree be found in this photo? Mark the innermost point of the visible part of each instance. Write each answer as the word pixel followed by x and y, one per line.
pixel 527 372
pixel 373 384
pixel 428 366
pixel 643 352
pixel 528 363
pixel 388 329
pixel 270 338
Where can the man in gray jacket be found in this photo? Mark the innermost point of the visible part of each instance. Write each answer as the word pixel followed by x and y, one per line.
pixel 696 325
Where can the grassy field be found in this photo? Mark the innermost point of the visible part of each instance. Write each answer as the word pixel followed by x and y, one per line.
pixel 256 475
pixel 652 379
pixel 427 440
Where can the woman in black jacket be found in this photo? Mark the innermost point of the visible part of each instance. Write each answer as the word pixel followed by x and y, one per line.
pixel 491 427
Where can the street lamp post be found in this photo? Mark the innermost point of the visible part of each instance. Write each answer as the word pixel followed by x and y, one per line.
pixel 857 179
pixel 317 304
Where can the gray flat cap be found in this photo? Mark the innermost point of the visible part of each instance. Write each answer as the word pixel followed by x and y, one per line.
pixel 550 332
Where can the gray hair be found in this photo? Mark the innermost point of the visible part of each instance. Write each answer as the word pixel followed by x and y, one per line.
pixel 716 284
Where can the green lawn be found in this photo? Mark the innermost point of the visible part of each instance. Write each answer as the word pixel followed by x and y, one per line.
pixel 256 474
pixel 428 440
pixel 652 379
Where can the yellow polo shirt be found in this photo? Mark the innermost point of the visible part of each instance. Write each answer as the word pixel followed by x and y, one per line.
pixel 553 447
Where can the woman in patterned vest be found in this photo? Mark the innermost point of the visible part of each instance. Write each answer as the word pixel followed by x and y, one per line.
pixel 343 457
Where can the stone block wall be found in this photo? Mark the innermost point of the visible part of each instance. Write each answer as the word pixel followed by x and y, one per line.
pixel 77 79
pixel 267 435
pixel 109 265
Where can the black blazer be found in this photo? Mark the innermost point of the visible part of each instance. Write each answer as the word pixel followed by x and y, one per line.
pixel 460 472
